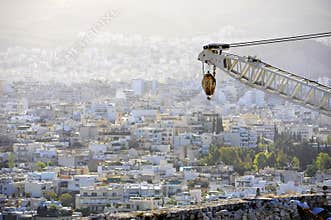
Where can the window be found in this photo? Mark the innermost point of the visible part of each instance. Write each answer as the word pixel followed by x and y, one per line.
pixel 64 184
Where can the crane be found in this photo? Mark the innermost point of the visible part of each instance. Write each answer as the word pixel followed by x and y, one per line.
pixel 260 75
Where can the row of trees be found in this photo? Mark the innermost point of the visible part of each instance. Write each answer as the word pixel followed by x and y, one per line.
pixel 240 158
pixel 66 199
pixel 247 159
pixel 322 163
pixel 286 152
pixel 39 166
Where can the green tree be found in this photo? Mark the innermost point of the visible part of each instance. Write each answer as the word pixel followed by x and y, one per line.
pixel 85 211
pixel 323 161
pixel 11 160
pixel 212 157
pixel 262 147
pixel 240 158
pixel 260 160
pixel 271 188
pixel 311 170
pixel 214 154
pixel 286 147
pixel 242 167
pixel 52 207
pixel 271 147
pixel 271 159
pixel 40 165
pixel 281 159
pixel 66 199
pixel 295 163
pixel 229 155
pixel 328 140
pixel 50 195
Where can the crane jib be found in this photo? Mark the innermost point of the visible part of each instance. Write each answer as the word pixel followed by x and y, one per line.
pixel 257 74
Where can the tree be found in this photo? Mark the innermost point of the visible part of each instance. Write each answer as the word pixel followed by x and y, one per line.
pixel 323 161
pixel 271 159
pixel 295 163
pixel 66 199
pixel 262 147
pixel 52 207
pixel 229 155
pixel 240 158
pixel 270 188
pixel 328 140
pixel 85 211
pixel 50 195
pixel 286 147
pixel 260 161
pixel 213 156
pixel 311 170
pixel 40 165
pixel 11 160
pixel 281 159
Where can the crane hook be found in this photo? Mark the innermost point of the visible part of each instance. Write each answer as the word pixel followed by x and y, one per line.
pixel 209 83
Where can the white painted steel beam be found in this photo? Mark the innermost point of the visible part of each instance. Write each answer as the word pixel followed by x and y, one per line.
pixel 265 77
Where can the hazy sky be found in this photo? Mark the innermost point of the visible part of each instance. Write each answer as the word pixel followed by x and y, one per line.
pixel 52 22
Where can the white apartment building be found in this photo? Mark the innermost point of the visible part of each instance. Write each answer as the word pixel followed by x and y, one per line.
pixel 241 137
pixel 7 185
pixel 132 196
pixel 98 148
pixel 36 188
pixel 25 152
pixel 144 203
pixel 94 198
pixel 265 130
pixel 306 132
pixel 104 110
pixel 66 160
pixel 82 181
pixel 157 136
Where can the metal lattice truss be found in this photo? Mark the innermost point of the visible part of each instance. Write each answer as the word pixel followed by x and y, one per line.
pixel 263 76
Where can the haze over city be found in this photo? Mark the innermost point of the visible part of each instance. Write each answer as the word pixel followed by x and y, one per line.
pixel 53 25
pixel 106 112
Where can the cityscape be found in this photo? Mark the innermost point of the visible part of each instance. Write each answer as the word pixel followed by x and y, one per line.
pixel 123 130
